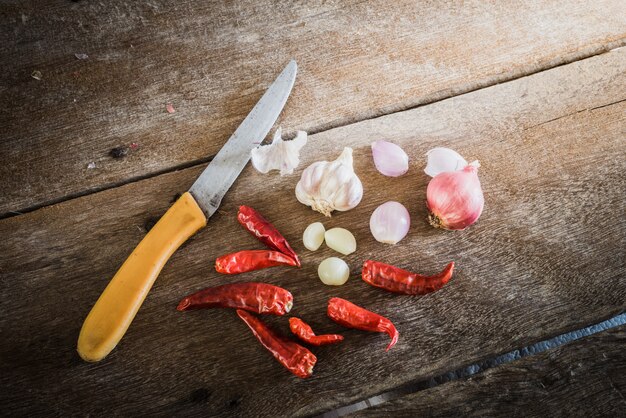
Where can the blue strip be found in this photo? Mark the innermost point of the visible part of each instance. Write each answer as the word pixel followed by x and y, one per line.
pixel 539 347
pixel 471 370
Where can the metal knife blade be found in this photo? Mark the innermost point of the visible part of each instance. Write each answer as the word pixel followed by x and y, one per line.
pixel 210 187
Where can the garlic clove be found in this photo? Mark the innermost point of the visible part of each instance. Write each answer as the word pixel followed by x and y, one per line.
pixel 340 240
pixel 313 236
pixel 442 160
pixel 333 271
pixel 279 155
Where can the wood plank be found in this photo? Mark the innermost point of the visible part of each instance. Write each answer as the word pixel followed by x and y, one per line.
pixel 547 256
pixel 213 60
pixel 584 378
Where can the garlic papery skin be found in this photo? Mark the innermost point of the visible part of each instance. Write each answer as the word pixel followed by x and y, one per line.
pixel 441 160
pixel 340 240
pixel 455 198
pixel 333 271
pixel 389 159
pixel 390 222
pixel 330 185
pixel 313 236
pixel 279 155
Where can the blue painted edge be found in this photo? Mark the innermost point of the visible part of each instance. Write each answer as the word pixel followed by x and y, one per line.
pixel 533 349
pixel 468 371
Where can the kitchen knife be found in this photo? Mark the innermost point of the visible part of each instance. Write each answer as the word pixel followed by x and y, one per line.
pixel 113 312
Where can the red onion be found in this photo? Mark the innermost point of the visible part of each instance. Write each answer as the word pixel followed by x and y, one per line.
pixel 454 198
pixel 389 158
pixel 390 222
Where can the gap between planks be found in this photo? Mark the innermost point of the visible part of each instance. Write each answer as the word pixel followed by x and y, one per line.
pixel 435 97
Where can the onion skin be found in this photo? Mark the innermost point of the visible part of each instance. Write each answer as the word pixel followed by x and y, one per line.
pixel 455 199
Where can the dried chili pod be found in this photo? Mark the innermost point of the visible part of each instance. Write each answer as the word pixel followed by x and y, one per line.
pixel 350 315
pixel 294 357
pixel 258 226
pixel 304 331
pixel 261 298
pixel 250 260
pixel 396 280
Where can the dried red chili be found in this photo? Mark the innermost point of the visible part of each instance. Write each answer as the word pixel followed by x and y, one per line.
pixel 261 298
pixel 395 279
pixel 249 260
pixel 350 315
pixel 265 231
pixel 304 331
pixel 296 358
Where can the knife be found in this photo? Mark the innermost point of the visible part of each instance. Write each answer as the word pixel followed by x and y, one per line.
pixel 118 304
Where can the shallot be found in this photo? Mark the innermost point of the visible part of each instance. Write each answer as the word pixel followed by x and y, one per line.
pixel 390 222
pixel 454 198
pixel 389 158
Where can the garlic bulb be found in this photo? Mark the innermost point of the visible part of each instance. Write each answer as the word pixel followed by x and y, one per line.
pixel 279 155
pixel 328 186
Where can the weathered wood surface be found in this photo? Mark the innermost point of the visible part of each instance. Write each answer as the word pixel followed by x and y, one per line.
pixel 547 256
pixel 213 59
pixel 583 378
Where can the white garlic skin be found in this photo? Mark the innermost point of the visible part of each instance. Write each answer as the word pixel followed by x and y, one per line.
pixel 333 271
pixel 279 155
pixel 313 236
pixel 326 186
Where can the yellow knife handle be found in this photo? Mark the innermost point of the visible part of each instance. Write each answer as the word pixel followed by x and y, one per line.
pixel 116 308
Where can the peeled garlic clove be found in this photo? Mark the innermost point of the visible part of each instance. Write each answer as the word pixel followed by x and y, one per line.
pixel 279 155
pixel 442 160
pixel 340 240
pixel 313 236
pixel 333 271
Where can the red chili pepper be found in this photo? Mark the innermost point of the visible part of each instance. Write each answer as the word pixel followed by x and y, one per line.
pixel 304 331
pixel 249 260
pixel 261 298
pixel 352 316
pixel 265 231
pixel 296 358
pixel 397 280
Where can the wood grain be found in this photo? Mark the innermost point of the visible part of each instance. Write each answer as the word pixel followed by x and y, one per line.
pixel 547 256
pixel 212 60
pixel 583 378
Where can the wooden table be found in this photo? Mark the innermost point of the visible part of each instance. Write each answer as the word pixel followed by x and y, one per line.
pixel 535 90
